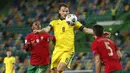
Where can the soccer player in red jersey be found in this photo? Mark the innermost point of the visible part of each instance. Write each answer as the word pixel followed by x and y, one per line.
pixel 105 51
pixel 38 46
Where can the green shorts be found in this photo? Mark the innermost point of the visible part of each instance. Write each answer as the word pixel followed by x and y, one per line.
pixel 118 71
pixel 37 69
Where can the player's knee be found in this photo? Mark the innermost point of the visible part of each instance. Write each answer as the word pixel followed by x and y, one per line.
pixel 53 70
pixel 60 70
pixel 61 67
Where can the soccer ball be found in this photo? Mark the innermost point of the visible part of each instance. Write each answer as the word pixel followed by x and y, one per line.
pixel 71 19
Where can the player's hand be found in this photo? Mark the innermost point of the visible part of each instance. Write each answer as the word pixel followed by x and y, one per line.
pixel 37 31
pixel 27 47
pixel 107 34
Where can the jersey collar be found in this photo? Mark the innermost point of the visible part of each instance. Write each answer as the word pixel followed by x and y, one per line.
pixel 61 18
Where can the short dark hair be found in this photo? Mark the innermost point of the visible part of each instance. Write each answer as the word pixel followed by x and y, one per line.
pixel 98 30
pixel 62 5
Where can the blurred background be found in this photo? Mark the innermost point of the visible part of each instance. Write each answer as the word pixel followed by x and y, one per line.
pixel 16 15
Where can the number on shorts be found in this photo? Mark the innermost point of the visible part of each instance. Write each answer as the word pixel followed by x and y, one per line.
pixel 109 48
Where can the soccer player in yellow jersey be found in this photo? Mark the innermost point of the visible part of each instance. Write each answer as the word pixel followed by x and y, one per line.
pixel 9 62
pixel 64 33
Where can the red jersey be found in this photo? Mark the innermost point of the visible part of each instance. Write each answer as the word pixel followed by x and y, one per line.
pixel 39 48
pixel 108 53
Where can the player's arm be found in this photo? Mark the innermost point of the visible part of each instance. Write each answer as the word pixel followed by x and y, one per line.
pixel 119 54
pixel 4 68
pixel 53 39
pixel 13 68
pixel 79 26
pixel 96 53
pixel 98 63
pixel 88 30
pixel 4 63
pixel 27 45
pixel 46 29
pixel 13 64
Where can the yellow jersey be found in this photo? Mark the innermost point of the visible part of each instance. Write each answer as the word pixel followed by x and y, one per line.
pixel 9 61
pixel 64 35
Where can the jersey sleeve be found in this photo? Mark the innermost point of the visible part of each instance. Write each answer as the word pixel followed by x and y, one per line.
pixel 27 42
pixel 51 24
pixel 52 37
pixel 13 60
pixel 27 39
pixel 4 60
pixel 94 49
pixel 79 26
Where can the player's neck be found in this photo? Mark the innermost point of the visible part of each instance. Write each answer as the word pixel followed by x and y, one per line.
pixel 99 36
pixel 61 18
pixel 8 56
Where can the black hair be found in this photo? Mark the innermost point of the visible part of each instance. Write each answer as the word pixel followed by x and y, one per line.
pixel 62 5
pixel 98 30
pixel 31 24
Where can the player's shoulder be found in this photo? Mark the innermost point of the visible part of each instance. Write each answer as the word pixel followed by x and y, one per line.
pixel 29 35
pixel 12 57
pixel 96 42
pixel 54 21
pixel 5 58
pixel 78 22
pixel 46 34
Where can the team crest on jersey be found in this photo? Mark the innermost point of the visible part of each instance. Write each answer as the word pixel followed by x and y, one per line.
pixel 37 40
pixel 42 37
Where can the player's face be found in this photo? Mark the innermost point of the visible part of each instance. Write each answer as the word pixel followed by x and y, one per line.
pixel 64 11
pixel 36 25
pixel 8 53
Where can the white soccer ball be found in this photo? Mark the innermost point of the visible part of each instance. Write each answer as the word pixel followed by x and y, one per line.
pixel 71 19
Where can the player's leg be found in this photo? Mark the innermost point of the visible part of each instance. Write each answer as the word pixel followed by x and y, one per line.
pixel 64 62
pixel 54 70
pixel 55 61
pixel 31 69
pixel 42 69
pixel 48 70
pixel 61 67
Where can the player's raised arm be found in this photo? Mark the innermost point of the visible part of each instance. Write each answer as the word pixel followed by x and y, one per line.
pixel 45 29
pixel 90 31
